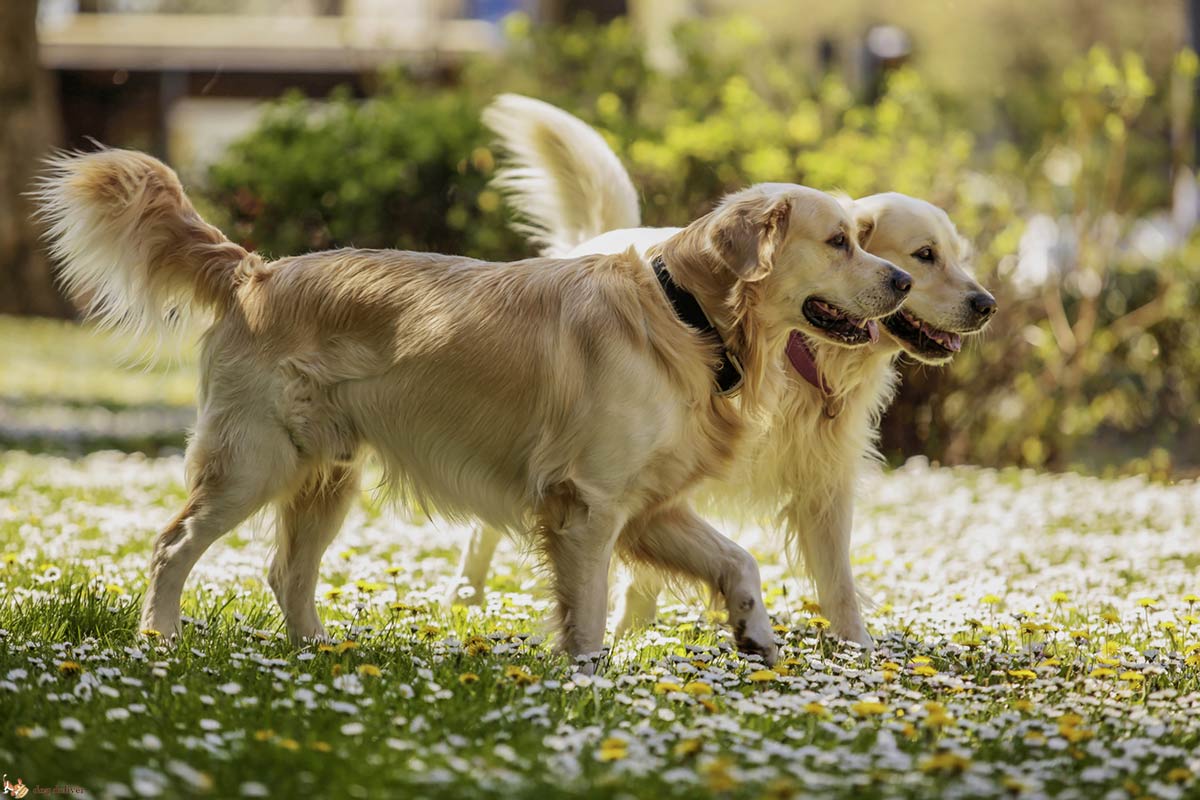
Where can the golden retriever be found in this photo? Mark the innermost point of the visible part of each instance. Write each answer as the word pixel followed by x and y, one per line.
pixel 561 397
pixel 576 198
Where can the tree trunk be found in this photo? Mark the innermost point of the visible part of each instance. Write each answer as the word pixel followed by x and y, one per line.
pixel 27 130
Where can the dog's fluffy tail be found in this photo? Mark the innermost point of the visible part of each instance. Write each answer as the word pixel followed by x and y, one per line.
pixel 129 243
pixel 562 178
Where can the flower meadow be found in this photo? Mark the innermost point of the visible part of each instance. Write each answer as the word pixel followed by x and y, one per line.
pixel 1037 636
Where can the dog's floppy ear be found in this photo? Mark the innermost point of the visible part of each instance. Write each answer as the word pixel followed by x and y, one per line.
pixel 865 222
pixel 749 234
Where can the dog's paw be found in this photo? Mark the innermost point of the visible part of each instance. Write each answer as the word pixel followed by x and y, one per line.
pixel 857 634
pixel 762 646
pixel 464 594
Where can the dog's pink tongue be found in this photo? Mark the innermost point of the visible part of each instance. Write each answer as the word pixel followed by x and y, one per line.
pixel 873 330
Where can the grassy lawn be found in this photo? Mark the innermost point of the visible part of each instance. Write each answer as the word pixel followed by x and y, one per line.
pixel 1037 636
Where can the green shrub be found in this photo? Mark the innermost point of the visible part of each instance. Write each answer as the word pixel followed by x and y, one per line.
pixel 1094 366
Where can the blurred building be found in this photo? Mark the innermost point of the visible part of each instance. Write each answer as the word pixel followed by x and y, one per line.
pixel 182 78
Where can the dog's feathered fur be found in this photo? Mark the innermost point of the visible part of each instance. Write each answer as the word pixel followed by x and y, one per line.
pixel 561 396
pixel 803 467
pixel 560 200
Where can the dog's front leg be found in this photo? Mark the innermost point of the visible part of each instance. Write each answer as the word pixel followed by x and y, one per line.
pixel 580 548
pixel 822 529
pixel 474 568
pixel 678 540
pixel 638 599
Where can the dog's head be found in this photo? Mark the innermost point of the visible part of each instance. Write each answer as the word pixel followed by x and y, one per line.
pixel 945 303
pixel 799 245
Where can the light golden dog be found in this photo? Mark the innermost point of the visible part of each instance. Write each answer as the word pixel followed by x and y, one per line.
pixel 576 198
pixel 561 397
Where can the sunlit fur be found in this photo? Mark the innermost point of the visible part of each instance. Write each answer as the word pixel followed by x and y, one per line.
pixel 803 465
pixel 557 397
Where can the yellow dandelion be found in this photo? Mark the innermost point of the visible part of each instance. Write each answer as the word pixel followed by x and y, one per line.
pixel 264 735
pixel 949 763
pixel 114 588
pixel 718 777
pixel 613 749
pixel 869 708
pixel 326 648
pixel 1147 602
pixel 321 747
pixel 1191 598
pixel 1022 674
pixel 1110 616
pixel 892 665
pixel 1179 775
pixel 820 623
pixel 8 558
pixel 333 591
pixel 346 646
pixel 70 668
pixel 289 744
pixel 519 675
pixel 709 704
pixel 150 633
pixel 662 687
pixel 1059 597
pixel 468 678
pixel 1102 672
pixel 762 676
pixel 697 688
pixel 1193 660
pixel 369 587
pixel 1131 676
pixel 816 710
pixel 990 600
pixel 369 671
pixel 921 660
pixel 687 747
pixel 924 670
pixel 1023 705
pixel 394 571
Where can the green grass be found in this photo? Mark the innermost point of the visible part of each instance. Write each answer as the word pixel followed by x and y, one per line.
pixel 1015 655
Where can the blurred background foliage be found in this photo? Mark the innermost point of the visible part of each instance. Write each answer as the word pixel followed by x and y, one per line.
pixel 1069 174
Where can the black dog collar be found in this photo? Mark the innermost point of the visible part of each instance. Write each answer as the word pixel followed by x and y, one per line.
pixel 687 308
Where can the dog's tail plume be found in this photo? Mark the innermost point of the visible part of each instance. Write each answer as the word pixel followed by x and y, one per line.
pixel 562 178
pixel 129 243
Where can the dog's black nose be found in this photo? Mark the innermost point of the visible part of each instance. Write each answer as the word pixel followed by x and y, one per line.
pixel 901 281
pixel 983 304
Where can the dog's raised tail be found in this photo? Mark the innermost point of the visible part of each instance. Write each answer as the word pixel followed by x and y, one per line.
pixel 562 178
pixel 130 245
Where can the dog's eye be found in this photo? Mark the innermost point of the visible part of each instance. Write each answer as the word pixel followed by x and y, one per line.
pixel 838 241
pixel 924 254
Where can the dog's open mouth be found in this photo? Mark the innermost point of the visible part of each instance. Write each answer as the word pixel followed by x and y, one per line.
pixel 920 337
pixel 837 325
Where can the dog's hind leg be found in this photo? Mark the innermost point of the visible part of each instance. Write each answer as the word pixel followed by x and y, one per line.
pixel 823 534
pixel 638 599
pixel 233 472
pixel 308 522
pixel 473 570
pixel 678 540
